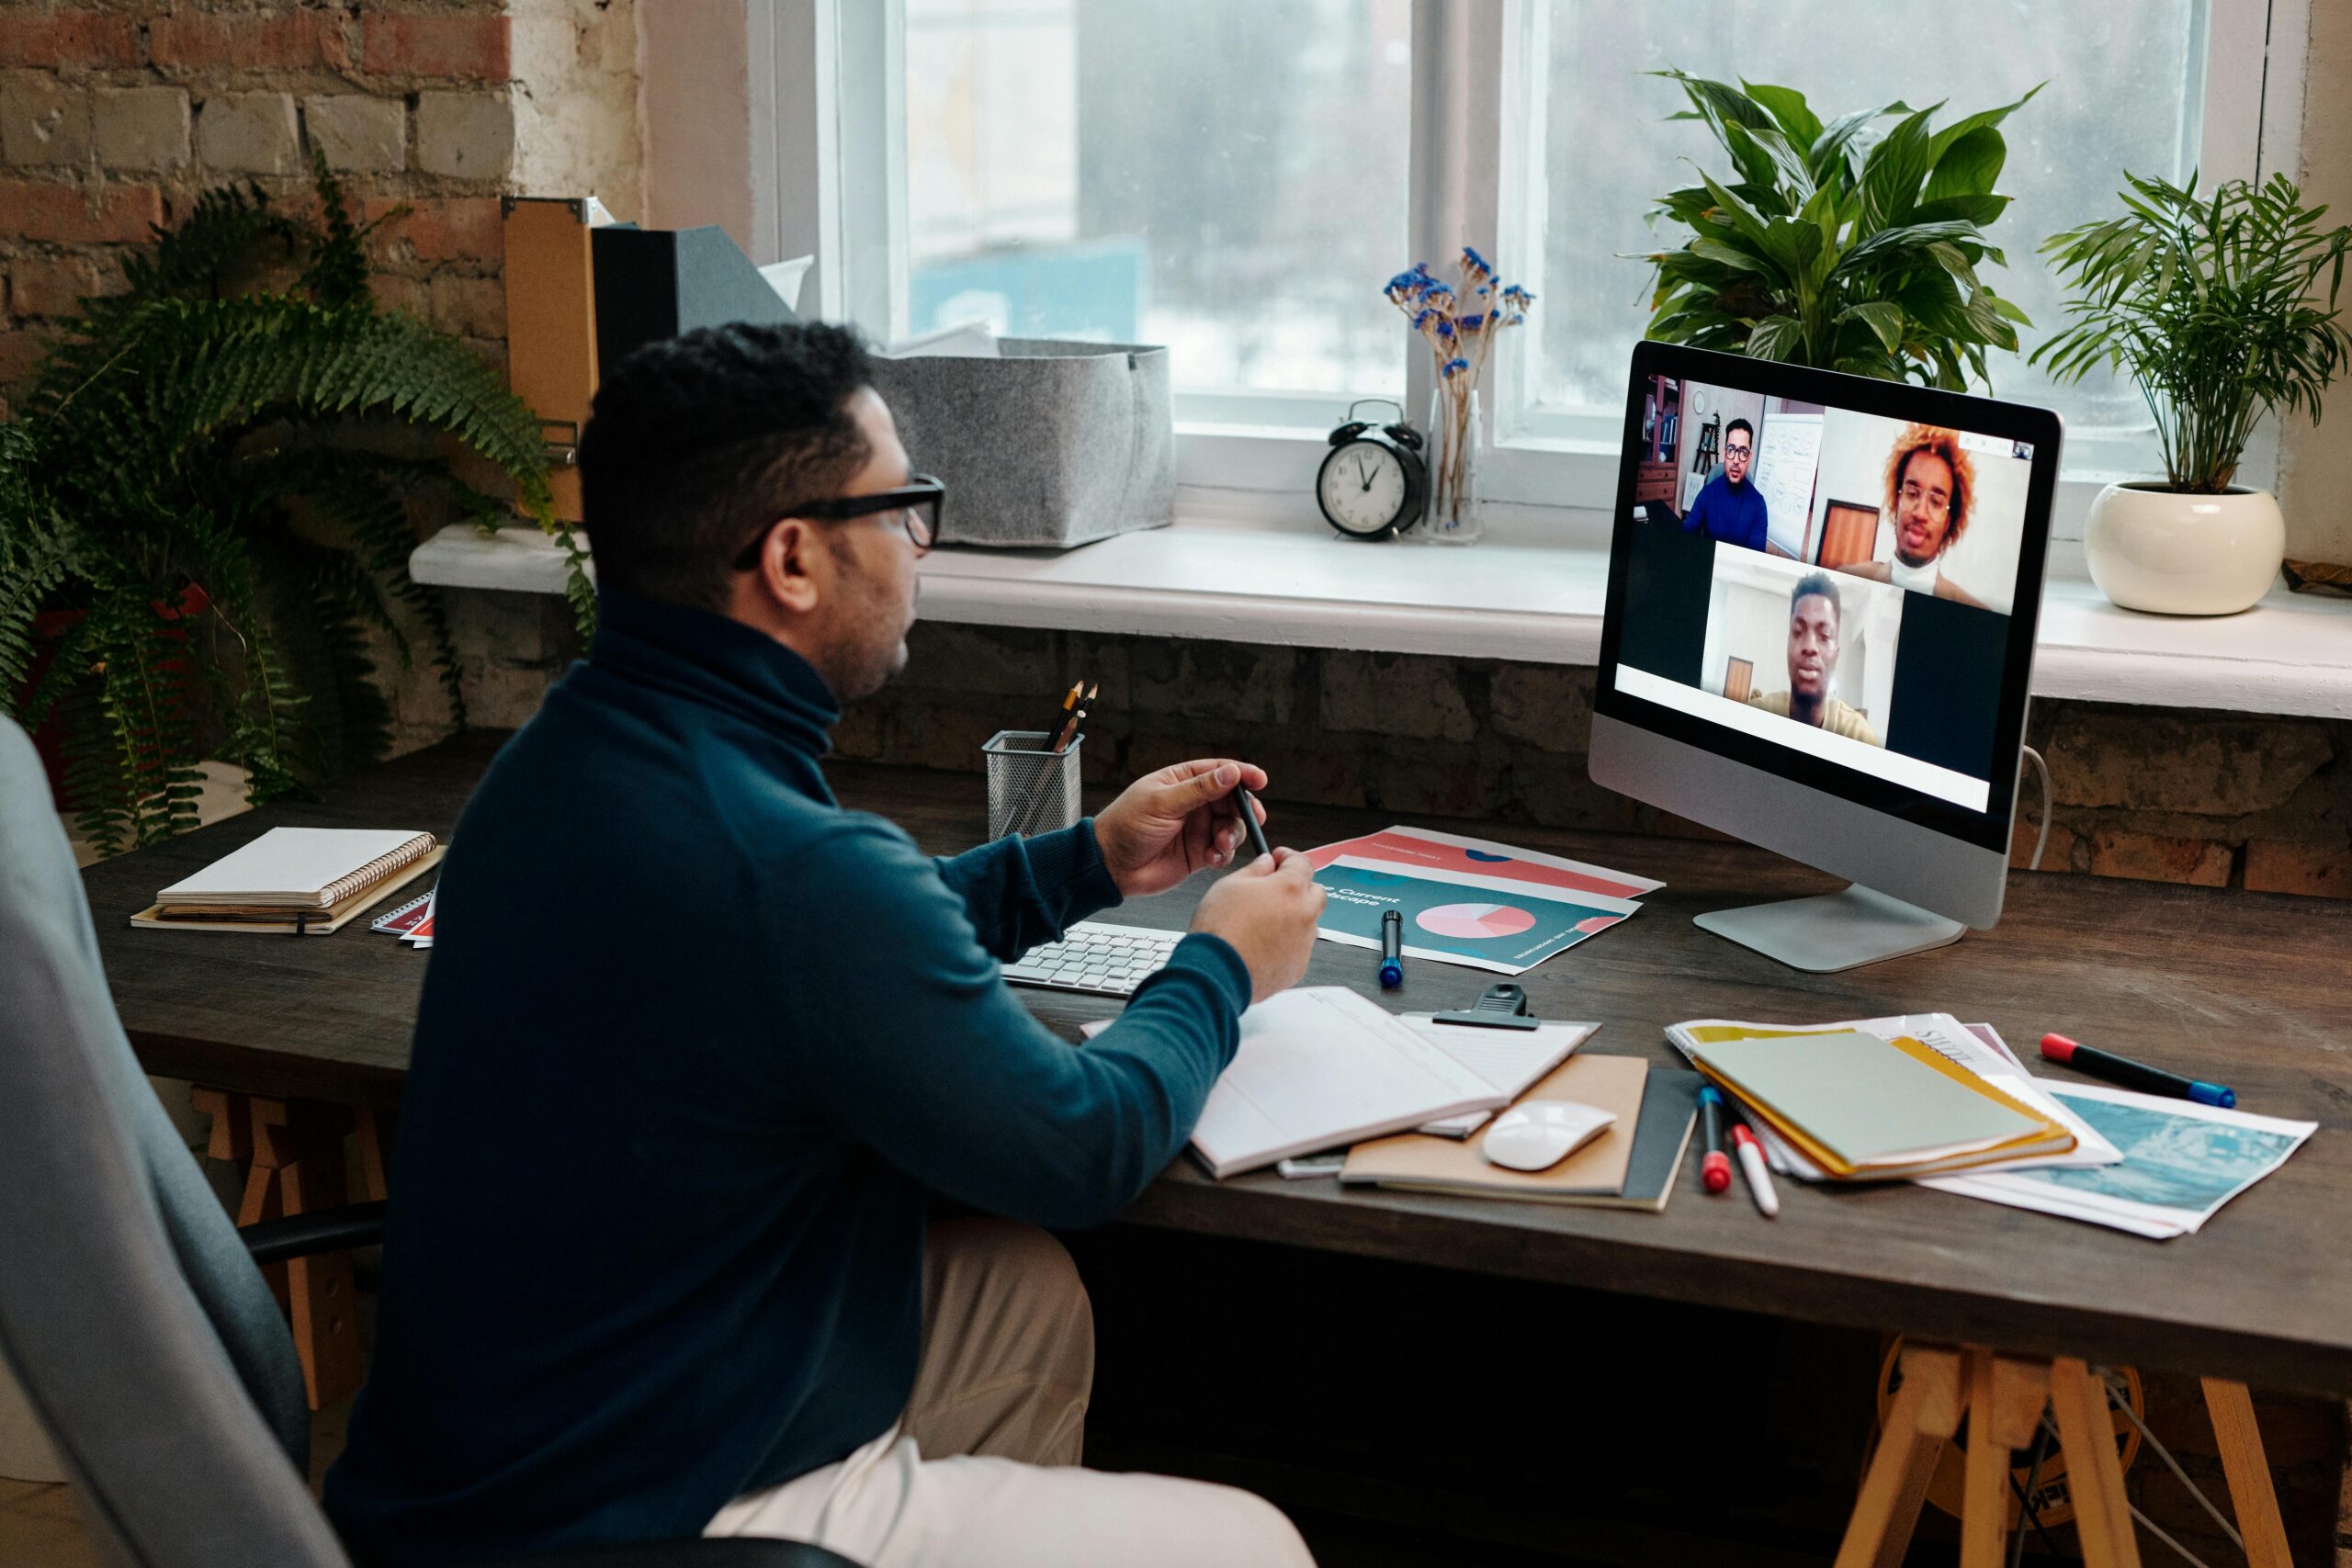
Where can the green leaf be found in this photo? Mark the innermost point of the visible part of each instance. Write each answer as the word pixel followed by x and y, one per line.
pixel 1776 337
pixel 1787 106
pixel 1731 256
pixel 1891 173
pixel 1786 172
pixel 1966 167
pixel 1884 320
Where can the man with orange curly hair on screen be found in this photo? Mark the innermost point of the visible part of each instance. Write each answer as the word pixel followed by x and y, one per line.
pixel 1929 483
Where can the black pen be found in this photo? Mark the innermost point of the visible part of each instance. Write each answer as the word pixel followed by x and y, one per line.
pixel 1250 820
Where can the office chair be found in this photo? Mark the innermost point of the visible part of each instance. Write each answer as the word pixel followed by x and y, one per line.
pixel 131 1310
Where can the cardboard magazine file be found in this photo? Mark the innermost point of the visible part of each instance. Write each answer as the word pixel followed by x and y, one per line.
pixel 1048 445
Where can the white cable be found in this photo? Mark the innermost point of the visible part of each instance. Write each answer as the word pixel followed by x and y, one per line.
pixel 2041 770
pixel 2116 1398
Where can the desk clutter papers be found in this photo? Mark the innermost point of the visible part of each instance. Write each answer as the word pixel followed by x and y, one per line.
pixel 2178 1162
pixel 297 881
pixel 1631 1165
pixel 1468 901
pixel 412 922
pixel 1318 1067
pixel 1512 1060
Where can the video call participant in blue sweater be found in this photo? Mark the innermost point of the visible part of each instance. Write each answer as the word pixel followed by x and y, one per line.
pixel 1727 507
pixel 699 1049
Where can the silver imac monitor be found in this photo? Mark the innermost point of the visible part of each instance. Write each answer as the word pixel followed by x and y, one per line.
pixel 1819 637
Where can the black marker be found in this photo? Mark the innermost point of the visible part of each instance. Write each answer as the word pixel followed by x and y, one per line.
pixel 2133 1075
pixel 1392 950
pixel 1250 819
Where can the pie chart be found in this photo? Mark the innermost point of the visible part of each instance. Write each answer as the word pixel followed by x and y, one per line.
pixel 1473 922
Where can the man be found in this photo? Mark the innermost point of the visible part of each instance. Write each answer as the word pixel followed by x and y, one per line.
pixel 1728 506
pixel 1813 616
pixel 699 1049
pixel 1929 480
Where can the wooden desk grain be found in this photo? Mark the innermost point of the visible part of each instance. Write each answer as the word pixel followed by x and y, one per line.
pixel 2246 990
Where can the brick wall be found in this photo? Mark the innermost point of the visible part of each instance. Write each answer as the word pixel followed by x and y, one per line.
pixel 112 118
pixel 2173 796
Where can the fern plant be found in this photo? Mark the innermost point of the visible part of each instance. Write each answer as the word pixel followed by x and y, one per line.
pixel 200 474
pixel 1831 247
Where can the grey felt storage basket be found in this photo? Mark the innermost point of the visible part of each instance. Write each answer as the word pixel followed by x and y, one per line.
pixel 1052 444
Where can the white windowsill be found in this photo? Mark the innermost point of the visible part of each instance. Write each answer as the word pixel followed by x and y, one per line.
pixel 1295 584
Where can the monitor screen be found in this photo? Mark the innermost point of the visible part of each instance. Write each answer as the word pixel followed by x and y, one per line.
pixel 1819 575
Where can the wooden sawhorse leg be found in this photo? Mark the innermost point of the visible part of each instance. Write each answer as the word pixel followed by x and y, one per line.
pixel 2003 1397
pixel 296 1165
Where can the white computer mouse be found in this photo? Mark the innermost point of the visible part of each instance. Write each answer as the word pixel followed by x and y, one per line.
pixel 1541 1133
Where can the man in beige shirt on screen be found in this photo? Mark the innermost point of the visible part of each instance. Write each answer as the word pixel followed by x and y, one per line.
pixel 1815 614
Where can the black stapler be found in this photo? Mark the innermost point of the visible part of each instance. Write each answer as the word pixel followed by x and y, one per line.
pixel 1504 1006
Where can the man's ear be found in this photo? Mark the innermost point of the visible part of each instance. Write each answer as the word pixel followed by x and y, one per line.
pixel 793 567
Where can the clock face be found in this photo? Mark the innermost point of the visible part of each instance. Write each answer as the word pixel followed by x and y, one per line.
pixel 1362 487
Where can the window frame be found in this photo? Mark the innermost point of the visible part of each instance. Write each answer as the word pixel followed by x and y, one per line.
pixel 835 97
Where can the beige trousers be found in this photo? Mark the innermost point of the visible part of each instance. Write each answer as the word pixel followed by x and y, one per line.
pixel 982 1470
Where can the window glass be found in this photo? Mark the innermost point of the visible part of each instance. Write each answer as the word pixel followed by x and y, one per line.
pixel 1224 177
pixel 2123 83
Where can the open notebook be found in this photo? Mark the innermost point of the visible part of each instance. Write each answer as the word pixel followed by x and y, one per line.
pixel 1320 1067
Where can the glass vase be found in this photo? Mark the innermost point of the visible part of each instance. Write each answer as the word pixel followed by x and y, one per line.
pixel 1456 513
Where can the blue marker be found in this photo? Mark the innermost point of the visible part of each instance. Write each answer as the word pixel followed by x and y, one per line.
pixel 1392 950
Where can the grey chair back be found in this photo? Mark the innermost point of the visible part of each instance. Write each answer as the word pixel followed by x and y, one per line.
pixel 148 1342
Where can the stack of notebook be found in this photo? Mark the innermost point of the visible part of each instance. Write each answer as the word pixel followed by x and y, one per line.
pixel 303 881
pixel 1863 1107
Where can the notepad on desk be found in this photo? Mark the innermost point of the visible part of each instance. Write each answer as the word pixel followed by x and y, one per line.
pixel 1512 1060
pixel 1631 1165
pixel 307 881
pixel 1320 1067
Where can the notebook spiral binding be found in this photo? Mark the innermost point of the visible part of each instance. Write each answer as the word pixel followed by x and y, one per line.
pixel 375 870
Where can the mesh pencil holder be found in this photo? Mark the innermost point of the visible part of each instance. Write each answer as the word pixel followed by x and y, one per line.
pixel 1031 790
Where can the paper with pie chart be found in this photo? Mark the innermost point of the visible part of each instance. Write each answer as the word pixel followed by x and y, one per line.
pixel 1483 922
pixel 1429 849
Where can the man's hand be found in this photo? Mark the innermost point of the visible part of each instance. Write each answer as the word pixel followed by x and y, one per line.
pixel 1172 823
pixel 1267 911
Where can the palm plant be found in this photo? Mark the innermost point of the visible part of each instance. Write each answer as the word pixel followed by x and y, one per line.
pixel 213 477
pixel 2209 303
pixel 1833 248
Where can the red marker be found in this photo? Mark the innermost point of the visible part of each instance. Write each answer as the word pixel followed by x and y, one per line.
pixel 1715 1167
pixel 1760 1174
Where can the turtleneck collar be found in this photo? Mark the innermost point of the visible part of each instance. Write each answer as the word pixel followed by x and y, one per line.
pixel 708 658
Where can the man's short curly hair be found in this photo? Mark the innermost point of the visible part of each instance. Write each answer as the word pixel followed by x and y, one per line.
pixel 1940 443
pixel 696 443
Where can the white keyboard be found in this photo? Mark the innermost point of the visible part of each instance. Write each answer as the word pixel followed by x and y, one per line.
pixel 1100 959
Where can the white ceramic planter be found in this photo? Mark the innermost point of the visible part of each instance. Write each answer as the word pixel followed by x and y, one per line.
pixel 2153 548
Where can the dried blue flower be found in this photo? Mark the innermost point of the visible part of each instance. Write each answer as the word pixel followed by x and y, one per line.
pixel 1445 329
pixel 1471 324
pixel 1421 318
pixel 1476 264
pixel 1452 367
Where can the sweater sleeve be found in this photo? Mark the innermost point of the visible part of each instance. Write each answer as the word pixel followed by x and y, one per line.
pixel 1019 892
pixel 919 1051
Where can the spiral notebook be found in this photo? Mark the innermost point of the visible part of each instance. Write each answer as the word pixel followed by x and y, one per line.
pixel 307 880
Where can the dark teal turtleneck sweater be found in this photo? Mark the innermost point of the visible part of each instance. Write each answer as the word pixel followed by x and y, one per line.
pixel 696 1047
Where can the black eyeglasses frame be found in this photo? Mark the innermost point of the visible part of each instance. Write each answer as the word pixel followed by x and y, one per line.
pixel 921 494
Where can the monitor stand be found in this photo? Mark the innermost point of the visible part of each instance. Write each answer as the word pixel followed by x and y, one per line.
pixel 1836 931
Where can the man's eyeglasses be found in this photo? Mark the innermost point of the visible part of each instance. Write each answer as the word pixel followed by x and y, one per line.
pixel 1730 451
pixel 917 504
pixel 1935 503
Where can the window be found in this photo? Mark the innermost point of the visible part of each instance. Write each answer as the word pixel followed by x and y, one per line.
pixel 1235 178
pixel 2121 91
pixel 1224 177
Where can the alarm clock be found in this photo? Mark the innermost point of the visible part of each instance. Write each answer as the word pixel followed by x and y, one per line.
pixel 1373 483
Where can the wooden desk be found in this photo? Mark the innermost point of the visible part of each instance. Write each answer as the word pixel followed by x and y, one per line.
pixel 2248 989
